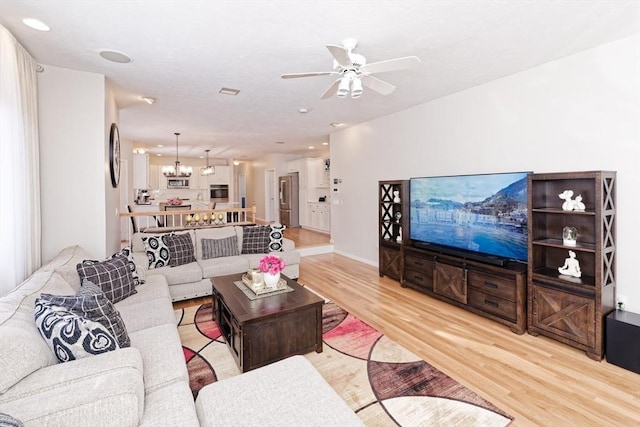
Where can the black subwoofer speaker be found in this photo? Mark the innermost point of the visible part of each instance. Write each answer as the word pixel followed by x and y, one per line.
pixel 623 340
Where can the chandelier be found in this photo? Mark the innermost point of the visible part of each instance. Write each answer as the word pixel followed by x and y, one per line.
pixel 207 170
pixel 177 170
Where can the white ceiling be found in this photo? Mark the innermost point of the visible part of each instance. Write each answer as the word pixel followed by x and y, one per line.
pixel 184 51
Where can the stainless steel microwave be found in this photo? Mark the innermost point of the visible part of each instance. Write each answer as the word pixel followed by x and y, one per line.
pixel 177 182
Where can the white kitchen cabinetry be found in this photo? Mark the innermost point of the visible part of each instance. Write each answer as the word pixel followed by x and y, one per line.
pixel 154 177
pixel 220 177
pixel 321 173
pixel 319 215
pixel 295 165
pixel 140 171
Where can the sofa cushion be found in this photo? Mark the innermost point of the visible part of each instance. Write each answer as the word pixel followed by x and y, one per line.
pixel 180 249
pixel 216 248
pixel 156 250
pixel 276 235
pixel 113 276
pixel 91 303
pixel 181 274
pixel 65 263
pixel 70 336
pixel 103 390
pixel 138 279
pixel 255 240
pixel 222 266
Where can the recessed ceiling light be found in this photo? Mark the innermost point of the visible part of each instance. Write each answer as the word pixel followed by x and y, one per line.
pixel 229 91
pixel 35 24
pixel 159 145
pixel 236 163
pixel 311 147
pixel 159 155
pixel 325 143
pixel 149 100
pixel 113 56
pixel 337 125
pixel 303 111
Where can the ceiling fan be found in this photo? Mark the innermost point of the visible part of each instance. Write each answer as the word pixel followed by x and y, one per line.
pixel 353 71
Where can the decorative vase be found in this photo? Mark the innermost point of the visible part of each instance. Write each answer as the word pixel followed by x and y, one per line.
pixel 271 280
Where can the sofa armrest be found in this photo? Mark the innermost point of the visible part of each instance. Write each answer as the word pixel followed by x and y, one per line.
pixel 288 245
pixel 106 389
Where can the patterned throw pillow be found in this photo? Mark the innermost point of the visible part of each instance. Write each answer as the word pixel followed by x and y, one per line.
pixel 7 420
pixel 216 248
pixel 126 251
pixel 255 240
pixel 70 336
pixel 113 276
pixel 91 303
pixel 275 237
pixel 180 249
pixel 157 250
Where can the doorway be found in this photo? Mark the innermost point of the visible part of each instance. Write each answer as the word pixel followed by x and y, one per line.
pixel 270 211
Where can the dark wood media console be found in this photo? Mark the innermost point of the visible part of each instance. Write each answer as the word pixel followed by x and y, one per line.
pixel 496 292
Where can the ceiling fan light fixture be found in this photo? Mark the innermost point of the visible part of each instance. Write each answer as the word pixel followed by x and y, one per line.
pixel 343 87
pixel 356 88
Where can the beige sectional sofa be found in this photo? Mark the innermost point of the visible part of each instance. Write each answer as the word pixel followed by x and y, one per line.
pixel 147 383
pixel 193 280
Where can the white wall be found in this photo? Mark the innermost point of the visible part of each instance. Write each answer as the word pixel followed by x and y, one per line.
pixel 76 111
pixel 578 113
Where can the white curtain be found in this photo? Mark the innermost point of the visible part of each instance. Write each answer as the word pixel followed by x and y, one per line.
pixel 20 229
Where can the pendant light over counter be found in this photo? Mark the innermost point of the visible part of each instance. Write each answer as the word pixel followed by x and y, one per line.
pixel 177 170
pixel 207 170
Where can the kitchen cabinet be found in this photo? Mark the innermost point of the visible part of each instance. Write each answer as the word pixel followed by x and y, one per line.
pixel 140 171
pixel 154 177
pixel 319 216
pixel 322 173
pixel 220 177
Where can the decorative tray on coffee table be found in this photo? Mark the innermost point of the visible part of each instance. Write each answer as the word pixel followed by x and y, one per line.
pixel 260 288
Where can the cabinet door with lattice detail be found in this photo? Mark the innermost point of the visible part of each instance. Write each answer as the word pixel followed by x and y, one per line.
pixel 564 314
pixel 451 282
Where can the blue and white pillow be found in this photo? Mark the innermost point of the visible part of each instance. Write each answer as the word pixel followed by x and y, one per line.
pixel 70 336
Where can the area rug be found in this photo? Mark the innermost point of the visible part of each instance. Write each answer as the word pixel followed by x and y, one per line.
pixel 385 384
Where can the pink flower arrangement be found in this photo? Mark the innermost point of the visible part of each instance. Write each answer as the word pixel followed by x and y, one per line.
pixel 272 264
pixel 174 201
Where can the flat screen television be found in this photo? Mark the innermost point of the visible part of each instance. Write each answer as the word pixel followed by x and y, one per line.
pixel 481 217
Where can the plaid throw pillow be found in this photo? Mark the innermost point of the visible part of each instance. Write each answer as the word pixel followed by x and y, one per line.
pixel 255 240
pixel 91 303
pixel 276 234
pixel 113 276
pixel 126 251
pixel 180 249
pixel 216 248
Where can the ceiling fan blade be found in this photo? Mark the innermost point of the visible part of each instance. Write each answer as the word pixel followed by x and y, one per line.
pixel 331 91
pixel 390 65
pixel 376 84
pixel 340 54
pixel 311 74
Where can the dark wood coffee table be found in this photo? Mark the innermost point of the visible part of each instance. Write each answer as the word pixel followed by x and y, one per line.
pixel 268 329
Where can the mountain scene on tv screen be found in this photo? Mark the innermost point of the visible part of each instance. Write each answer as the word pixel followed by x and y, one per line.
pixel 466 212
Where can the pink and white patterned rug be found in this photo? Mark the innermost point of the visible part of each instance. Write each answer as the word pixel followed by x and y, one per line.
pixel 385 384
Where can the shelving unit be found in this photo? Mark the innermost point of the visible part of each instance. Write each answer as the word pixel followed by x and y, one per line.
pixel 571 309
pixel 393 227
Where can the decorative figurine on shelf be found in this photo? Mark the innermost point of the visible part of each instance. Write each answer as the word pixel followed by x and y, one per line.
pixel 398 217
pixel 568 204
pixel 399 238
pixel 569 236
pixel 571 266
pixel 396 197
pixel 577 204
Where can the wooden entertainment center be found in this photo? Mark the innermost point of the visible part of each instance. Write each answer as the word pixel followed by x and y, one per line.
pixel 531 296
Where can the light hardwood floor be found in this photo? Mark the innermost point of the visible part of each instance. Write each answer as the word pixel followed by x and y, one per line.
pixel 537 380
